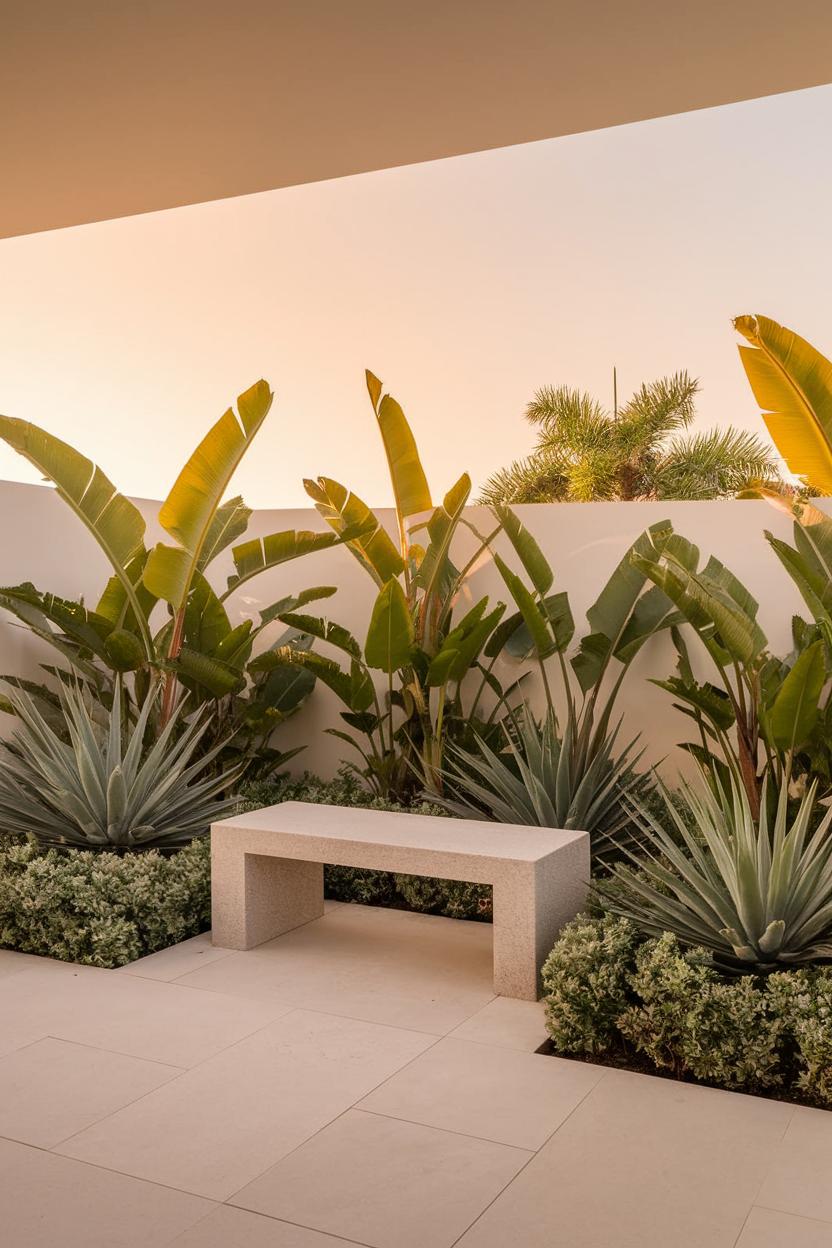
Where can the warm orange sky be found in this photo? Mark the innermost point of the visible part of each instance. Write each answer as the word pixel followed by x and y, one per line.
pixel 465 284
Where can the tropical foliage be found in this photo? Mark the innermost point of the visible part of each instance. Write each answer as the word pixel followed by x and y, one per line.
pixel 541 778
pixel 792 383
pixel 419 641
pixel 569 770
pixel 585 452
pixel 195 646
pixel 103 789
pixel 759 711
pixel 755 890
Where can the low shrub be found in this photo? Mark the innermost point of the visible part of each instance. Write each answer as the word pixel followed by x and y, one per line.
pixel 374 888
pixel 101 908
pixel 617 997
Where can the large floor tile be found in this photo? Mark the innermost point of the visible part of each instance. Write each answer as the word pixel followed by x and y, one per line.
pixel 51 1089
pixel 768 1228
pixel 641 1163
pixel 478 1089
pixel 798 1178
pixel 385 1183
pixel 226 1227
pixel 168 964
pixel 511 1024
pixel 126 1014
pixel 12 962
pixel 51 1202
pixel 28 999
pixel 386 966
pixel 219 1125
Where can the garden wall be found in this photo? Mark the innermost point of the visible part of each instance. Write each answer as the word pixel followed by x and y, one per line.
pixel 43 543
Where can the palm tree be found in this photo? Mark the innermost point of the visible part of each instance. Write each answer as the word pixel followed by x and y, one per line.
pixel 585 452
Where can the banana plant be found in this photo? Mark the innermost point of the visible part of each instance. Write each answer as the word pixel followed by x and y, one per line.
pixel 792 383
pixel 761 710
pixel 626 614
pixel 418 641
pixel 194 643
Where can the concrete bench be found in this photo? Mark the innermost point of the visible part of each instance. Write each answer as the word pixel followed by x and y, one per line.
pixel 267 874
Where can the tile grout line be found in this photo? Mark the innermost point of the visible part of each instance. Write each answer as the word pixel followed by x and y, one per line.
pixel 97 1048
pixel 353 1105
pixel 804 1217
pixel 465 1135
pixel 760 1185
pixel 526 1164
pixel 358 1243
pixel 122 1174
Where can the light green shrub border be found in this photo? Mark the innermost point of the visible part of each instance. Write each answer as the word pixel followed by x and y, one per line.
pixel 612 996
pixel 102 909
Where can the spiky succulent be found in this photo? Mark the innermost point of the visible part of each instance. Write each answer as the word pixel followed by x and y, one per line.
pixel 550 777
pixel 103 789
pixel 757 893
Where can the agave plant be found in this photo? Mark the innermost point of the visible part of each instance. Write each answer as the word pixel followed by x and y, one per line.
pixel 548 778
pixel 102 789
pixel 756 892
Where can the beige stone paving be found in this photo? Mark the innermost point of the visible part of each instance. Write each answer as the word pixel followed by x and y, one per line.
pixel 356 1082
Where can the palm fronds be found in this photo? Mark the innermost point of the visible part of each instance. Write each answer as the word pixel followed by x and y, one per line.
pixel 585 453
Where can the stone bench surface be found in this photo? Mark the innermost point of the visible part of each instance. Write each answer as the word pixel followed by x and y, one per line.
pixel 349 835
pixel 268 875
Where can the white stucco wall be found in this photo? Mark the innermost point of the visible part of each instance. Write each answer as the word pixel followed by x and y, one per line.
pixel 42 542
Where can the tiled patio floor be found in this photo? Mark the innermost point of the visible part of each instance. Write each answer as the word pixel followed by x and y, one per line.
pixel 356 1081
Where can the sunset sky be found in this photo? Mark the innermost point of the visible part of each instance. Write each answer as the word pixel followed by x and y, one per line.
pixel 464 284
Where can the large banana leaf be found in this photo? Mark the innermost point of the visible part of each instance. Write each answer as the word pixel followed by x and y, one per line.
pixel 357 526
pixel 115 605
pixel 530 555
pixel 116 524
pixel 792 717
pixel 261 553
pixel 513 636
pixel 354 688
pixel 189 513
pixel 390 636
pixel 792 383
pixel 624 616
pixel 729 631
pixel 325 630
pixel 81 633
pixel 543 641
pixel 410 486
pixel 436 573
pixel 463 645
pixel 230 522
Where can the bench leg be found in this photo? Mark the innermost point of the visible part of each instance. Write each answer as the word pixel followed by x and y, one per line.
pixel 255 898
pixel 530 908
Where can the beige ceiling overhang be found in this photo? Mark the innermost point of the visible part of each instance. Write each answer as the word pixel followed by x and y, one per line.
pixel 115 107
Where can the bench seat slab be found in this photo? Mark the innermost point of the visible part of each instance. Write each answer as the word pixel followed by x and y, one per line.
pixel 267 875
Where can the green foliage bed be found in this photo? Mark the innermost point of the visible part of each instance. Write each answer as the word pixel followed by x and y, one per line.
pixel 101 909
pixel 618 999
pixel 107 909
